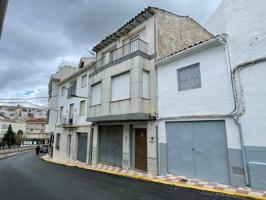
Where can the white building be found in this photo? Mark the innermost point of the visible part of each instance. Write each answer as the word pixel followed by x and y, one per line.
pixel 198 137
pixel 245 24
pixel 16 126
pixel 68 99
pixel 35 132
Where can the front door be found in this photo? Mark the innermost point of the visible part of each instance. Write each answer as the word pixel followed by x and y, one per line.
pixel 141 149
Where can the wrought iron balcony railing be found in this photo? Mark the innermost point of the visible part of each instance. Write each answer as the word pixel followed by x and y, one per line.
pixel 131 47
pixel 127 49
pixel 69 120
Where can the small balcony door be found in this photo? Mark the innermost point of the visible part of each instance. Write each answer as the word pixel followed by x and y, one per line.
pixel 71 113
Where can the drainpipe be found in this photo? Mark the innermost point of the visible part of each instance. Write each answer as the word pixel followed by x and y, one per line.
pixel 236 119
pixel 243 152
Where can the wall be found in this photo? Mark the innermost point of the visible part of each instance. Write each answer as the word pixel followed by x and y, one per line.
pixel 136 104
pixel 65 101
pixel 245 25
pixel 174 33
pixel 214 96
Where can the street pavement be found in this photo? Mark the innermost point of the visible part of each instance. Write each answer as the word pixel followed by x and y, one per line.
pixel 28 177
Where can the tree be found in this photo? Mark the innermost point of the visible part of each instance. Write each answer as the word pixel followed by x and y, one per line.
pixel 9 137
pixel 19 137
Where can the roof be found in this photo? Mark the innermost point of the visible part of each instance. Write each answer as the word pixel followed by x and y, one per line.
pixel 76 73
pixel 36 120
pixel 135 21
pixel 218 38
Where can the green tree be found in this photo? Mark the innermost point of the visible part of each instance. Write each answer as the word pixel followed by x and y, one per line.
pixel 19 137
pixel 9 137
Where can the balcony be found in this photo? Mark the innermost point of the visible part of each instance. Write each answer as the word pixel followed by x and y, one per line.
pixel 69 121
pixel 120 53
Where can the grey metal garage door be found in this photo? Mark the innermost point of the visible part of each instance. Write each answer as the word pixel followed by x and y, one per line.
pixel 111 139
pixel 82 146
pixel 198 150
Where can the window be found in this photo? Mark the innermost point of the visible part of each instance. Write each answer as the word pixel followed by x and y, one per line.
pixel 82 108
pixel 71 110
pixel 72 89
pixel 84 81
pixel 96 94
pixel 63 91
pixel 145 84
pixel 189 77
pixel 121 87
pixel 61 111
pixel 57 144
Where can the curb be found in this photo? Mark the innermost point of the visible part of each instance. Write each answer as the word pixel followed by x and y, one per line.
pixel 157 181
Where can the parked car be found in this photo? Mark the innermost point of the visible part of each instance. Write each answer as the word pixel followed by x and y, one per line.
pixel 44 148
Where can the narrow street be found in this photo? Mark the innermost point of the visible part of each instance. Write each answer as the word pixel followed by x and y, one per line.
pixel 29 177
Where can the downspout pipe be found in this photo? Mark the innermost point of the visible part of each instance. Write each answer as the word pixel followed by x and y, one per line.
pixel 237 121
pixel 236 118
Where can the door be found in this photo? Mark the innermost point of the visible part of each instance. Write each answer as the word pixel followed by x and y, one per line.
pixel 82 147
pixel 68 146
pixel 110 147
pixel 141 149
pixel 71 113
pixel 198 150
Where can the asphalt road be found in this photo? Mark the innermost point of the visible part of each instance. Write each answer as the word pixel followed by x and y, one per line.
pixel 27 177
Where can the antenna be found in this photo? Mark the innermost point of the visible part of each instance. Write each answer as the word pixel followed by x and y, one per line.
pixel 91 52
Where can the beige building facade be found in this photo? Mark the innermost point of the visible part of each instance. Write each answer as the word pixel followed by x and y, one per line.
pixel 122 87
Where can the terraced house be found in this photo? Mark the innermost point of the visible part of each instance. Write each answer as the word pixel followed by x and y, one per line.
pixel 122 87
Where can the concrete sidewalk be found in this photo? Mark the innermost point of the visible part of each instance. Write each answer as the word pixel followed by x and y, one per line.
pixel 168 180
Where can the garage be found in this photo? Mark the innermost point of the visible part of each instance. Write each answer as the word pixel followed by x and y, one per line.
pixel 198 150
pixel 82 146
pixel 110 147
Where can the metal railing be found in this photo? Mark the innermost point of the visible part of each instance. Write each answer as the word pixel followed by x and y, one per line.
pixel 68 120
pixel 131 47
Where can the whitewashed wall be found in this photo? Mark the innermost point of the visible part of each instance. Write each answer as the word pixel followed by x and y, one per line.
pixel 65 102
pixel 214 96
pixel 245 24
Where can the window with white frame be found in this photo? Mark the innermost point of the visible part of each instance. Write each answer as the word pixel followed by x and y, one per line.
pixel 96 94
pixel 84 80
pixel 189 77
pixel 121 86
pixel 82 108
pixel 145 84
